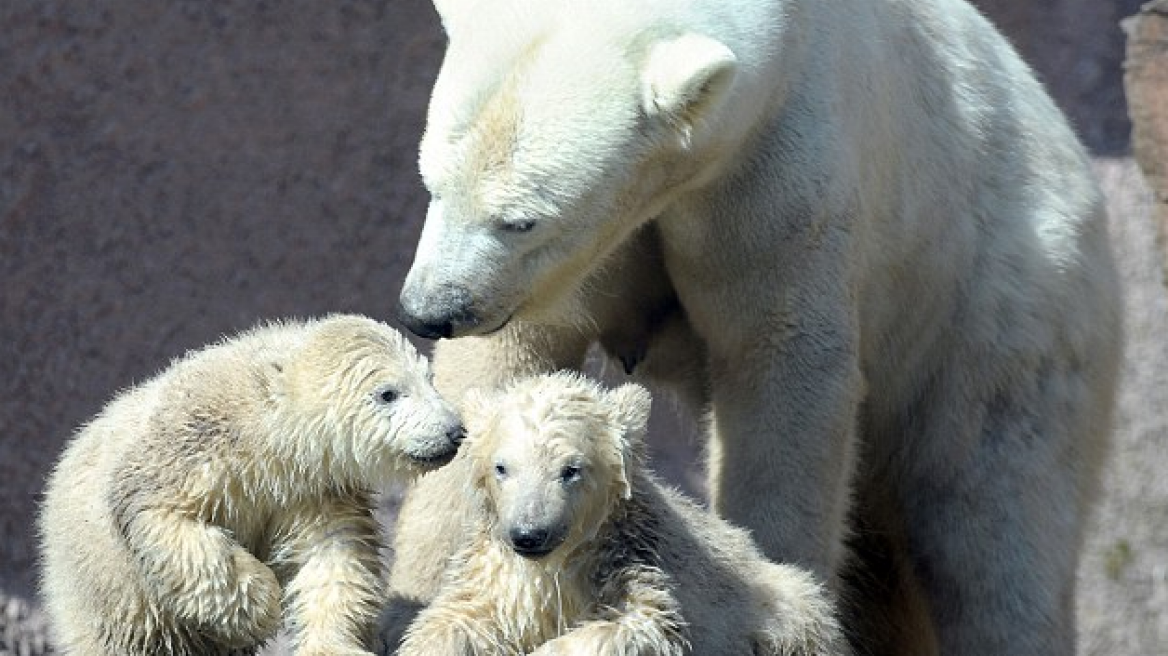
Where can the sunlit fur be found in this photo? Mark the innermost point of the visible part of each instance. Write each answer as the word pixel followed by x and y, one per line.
pixel 858 235
pixel 232 491
pixel 642 569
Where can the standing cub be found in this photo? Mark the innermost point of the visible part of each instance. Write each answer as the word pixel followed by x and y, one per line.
pixel 234 488
pixel 578 549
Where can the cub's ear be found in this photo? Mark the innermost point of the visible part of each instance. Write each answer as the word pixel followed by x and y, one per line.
pixel 476 407
pixel 477 452
pixel 684 79
pixel 630 405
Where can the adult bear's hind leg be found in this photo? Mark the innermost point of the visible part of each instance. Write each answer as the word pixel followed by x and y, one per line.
pixel 996 504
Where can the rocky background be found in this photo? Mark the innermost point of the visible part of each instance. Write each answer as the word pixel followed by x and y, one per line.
pixel 174 171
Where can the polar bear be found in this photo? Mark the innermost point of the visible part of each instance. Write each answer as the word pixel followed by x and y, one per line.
pixel 878 227
pixel 235 483
pixel 576 548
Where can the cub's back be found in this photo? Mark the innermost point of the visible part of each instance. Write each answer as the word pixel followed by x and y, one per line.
pixel 730 595
pixel 81 546
pixel 87 571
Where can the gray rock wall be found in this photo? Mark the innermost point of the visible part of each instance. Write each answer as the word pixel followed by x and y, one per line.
pixel 1146 82
pixel 172 171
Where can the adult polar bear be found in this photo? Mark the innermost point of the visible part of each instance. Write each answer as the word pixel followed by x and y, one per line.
pixel 871 219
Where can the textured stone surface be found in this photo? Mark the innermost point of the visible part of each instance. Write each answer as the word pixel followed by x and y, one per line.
pixel 22 628
pixel 174 171
pixel 1123 577
pixel 1146 81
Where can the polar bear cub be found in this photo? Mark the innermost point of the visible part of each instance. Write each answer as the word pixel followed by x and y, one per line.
pixel 580 550
pixel 233 490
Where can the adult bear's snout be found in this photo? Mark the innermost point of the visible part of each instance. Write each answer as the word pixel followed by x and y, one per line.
pixel 428 328
pixel 439 314
pixel 456 435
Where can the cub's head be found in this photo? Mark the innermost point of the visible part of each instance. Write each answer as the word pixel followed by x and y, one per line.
pixel 360 403
pixel 554 131
pixel 552 457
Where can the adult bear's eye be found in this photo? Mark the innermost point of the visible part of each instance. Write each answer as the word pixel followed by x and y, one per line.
pixel 385 395
pixel 570 473
pixel 500 470
pixel 521 226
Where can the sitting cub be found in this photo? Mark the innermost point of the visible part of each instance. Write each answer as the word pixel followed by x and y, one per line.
pixel 580 550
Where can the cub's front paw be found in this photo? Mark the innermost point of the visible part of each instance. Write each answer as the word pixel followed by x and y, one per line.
pixel 252 615
pixel 558 647
pixel 439 642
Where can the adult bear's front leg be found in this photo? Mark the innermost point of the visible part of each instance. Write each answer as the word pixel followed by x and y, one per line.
pixel 783 441
pixel 780 326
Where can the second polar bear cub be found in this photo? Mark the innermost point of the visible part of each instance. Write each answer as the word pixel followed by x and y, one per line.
pixel 579 549
pixel 233 491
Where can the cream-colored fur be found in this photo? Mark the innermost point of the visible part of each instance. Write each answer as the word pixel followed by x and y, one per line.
pixel 574 547
pixel 879 248
pixel 233 490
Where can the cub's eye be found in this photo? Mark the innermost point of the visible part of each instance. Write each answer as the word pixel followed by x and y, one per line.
pixel 500 470
pixel 570 473
pixel 525 225
pixel 385 395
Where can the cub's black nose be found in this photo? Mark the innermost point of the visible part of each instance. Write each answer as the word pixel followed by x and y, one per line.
pixel 530 541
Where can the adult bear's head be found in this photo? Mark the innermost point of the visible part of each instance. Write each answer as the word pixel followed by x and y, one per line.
pixel 555 130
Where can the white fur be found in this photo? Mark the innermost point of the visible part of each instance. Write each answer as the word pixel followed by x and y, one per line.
pixel 233 491
pixel 870 229
pixel 633 568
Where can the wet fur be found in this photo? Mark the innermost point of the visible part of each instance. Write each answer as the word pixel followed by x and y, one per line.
pixel 657 575
pixel 231 492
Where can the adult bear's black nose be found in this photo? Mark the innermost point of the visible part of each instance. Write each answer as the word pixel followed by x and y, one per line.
pixel 427 327
pixel 529 541
pixel 456 434
pixel 438 312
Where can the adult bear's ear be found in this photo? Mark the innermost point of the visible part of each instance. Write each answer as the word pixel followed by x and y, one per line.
pixel 684 79
pixel 630 405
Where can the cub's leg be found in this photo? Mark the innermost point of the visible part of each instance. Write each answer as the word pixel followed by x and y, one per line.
pixel 328 554
pixel 197 572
